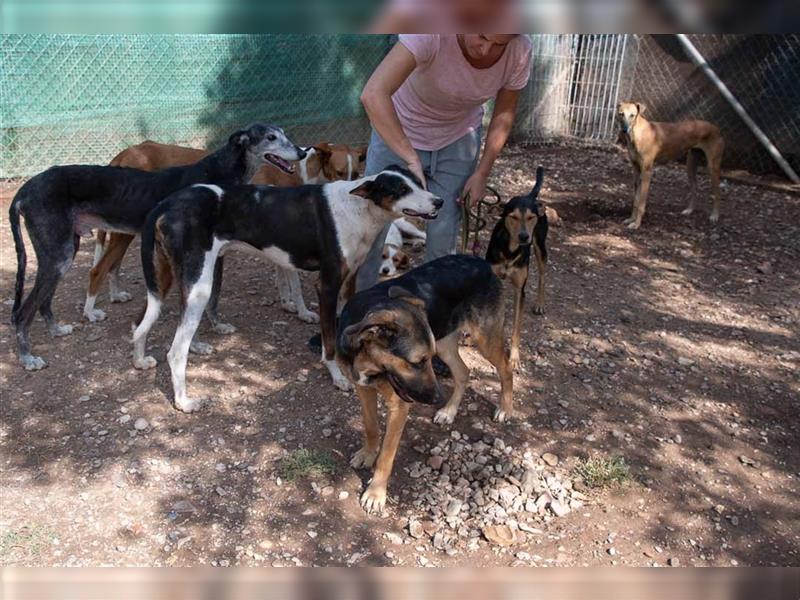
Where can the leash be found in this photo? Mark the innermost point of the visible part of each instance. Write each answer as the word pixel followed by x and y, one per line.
pixel 474 220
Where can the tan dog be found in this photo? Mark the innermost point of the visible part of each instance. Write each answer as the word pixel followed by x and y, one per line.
pixel 654 143
pixel 324 162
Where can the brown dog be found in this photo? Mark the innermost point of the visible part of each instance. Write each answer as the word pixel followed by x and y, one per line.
pixel 654 143
pixel 324 162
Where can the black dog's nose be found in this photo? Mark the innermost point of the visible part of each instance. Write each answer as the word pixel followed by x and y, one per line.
pixel 301 154
pixel 438 203
pixel 524 237
pixel 385 270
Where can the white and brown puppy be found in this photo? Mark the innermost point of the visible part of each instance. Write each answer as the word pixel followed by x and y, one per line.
pixel 393 257
pixel 327 228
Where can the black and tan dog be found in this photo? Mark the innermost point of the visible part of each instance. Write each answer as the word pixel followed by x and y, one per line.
pixel 522 224
pixel 387 336
pixel 63 203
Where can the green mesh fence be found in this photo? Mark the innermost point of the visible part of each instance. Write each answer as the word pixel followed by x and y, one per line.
pixel 81 99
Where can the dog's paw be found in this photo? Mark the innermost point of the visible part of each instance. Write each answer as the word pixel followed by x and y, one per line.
pixel 197 347
pixel 308 316
pixel 513 362
pixel 148 362
pixel 189 405
pixel 289 306
pixel 538 309
pixel 223 328
pixel 33 363
pixel 501 416
pixel 94 315
pixel 687 211
pixel 120 296
pixel 342 383
pixel 629 220
pixel 364 458
pixel 633 225
pixel 444 416
pixel 373 500
pixel 714 216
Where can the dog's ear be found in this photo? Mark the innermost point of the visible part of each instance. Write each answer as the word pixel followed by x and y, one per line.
pixel 240 139
pixel 361 152
pixel 324 149
pixel 640 108
pixel 365 190
pixel 401 260
pixel 541 211
pixel 403 294
pixel 373 328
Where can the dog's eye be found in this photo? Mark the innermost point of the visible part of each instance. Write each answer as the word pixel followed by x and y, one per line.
pixel 420 364
pixel 272 137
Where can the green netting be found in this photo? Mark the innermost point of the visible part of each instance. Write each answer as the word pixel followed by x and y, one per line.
pixel 80 99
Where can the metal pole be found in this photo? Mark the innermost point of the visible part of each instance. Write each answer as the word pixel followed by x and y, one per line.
pixel 701 62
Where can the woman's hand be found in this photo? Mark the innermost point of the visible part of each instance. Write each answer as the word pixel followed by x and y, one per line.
pixel 415 166
pixel 474 189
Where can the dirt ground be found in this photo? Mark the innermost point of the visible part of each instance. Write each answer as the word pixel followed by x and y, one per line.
pixel 675 347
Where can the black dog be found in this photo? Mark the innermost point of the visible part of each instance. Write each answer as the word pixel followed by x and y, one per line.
pixel 63 203
pixel 387 336
pixel 327 228
pixel 522 223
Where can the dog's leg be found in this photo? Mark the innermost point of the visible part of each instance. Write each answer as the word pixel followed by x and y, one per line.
pixel 328 290
pixel 116 294
pixel 296 294
pixel 197 295
pixel 211 311
pixel 691 172
pixel 373 500
pixel 112 257
pixel 99 246
pixel 284 290
pixel 637 178
pixel 140 361
pixel 365 457
pixel 641 197
pixel 409 230
pixel 489 340
pixel 447 349
pixel 53 263
pixel 714 161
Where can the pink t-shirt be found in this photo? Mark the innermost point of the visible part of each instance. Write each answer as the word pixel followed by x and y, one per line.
pixel 442 100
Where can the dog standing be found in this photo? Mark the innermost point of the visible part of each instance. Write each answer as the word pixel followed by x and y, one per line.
pixel 322 162
pixel 327 228
pixel 654 143
pixel 523 223
pixel 63 203
pixel 387 336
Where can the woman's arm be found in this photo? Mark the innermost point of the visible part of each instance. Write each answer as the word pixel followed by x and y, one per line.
pixel 377 100
pixel 505 108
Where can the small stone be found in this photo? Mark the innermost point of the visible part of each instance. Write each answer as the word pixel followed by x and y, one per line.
pixel 745 460
pixel 312 534
pixel 83 399
pixel 612 551
pixel 327 490
pixel 183 506
pixel 394 538
pixel 124 419
pixel 415 529
pixel 678 439
pixel 550 459
pixel 344 495
pixel 673 562
pixel 558 508
pixel 453 507
pixel 502 535
pixel 326 432
pixel 141 424
pixel 435 462
pixel 685 362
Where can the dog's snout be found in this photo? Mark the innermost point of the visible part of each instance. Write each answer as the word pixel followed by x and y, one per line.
pixel 385 270
pixel 301 154
pixel 524 236
pixel 438 203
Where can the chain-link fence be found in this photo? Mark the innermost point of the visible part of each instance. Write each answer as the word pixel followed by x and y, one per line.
pixel 576 81
pixel 81 99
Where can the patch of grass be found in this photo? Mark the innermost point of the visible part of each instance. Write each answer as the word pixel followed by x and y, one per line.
pixel 600 472
pixel 26 542
pixel 306 463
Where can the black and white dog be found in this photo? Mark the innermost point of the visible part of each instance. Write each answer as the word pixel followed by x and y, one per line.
pixel 327 228
pixel 63 203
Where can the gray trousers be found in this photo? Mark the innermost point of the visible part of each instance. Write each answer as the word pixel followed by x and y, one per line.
pixel 446 171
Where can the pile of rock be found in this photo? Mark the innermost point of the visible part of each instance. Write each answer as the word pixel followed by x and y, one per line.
pixel 484 489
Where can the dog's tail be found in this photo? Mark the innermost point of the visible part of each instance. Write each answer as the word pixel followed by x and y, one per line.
pixel 19 245
pixel 539 180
